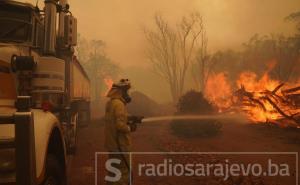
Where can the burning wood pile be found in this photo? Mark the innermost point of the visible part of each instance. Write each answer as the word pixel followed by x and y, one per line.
pixel 273 106
pixel 262 100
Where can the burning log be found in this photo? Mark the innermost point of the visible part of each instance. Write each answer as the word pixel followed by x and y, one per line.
pixel 262 99
pixel 243 95
pixel 292 96
pixel 277 88
pixel 292 90
pixel 279 110
pixel 270 105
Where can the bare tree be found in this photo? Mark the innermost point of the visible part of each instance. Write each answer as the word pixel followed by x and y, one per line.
pixel 171 50
pixel 199 72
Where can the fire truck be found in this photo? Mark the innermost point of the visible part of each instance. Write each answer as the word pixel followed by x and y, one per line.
pixel 44 92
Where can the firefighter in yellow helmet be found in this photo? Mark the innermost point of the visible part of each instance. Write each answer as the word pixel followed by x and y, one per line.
pixel 118 127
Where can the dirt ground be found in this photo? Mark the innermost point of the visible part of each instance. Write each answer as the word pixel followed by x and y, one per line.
pixel 157 137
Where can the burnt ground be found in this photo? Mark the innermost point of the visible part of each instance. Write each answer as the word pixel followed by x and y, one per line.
pixel 157 137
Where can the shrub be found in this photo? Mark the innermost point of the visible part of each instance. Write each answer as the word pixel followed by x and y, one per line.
pixel 194 103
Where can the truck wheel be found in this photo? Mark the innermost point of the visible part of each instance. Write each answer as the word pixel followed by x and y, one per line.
pixel 54 173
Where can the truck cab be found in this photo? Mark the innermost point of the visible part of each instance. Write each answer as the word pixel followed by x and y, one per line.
pixel 38 77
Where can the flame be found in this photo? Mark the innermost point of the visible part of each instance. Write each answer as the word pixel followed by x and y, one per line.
pixel 218 91
pixel 261 99
pixel 109 83
pixel 262 110
pixel 251 82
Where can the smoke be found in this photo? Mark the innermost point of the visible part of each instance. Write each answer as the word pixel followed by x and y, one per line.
pixel 229 23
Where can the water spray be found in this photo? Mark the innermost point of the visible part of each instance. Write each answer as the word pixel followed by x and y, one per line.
pixel 140 119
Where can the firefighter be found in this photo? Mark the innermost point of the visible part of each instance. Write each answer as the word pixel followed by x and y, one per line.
pixel 118 128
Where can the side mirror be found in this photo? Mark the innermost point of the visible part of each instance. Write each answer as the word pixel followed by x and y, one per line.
pixel 67 7
pixel 70 35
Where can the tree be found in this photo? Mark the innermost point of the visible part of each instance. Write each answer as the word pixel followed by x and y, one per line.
pixel 295 17
pixel 98 65
pixel 276 55
pixel 93 66
pixel 227 61
pixel 171 50
pixel 204 63
pixel 82 50
pixel 259 52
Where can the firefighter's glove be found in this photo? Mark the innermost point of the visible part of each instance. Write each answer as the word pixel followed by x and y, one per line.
pixel 133 126
pixel 135 119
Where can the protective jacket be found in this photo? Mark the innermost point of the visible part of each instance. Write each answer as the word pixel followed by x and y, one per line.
pixel 117 131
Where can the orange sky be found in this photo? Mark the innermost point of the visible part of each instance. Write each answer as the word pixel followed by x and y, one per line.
pixel 229 23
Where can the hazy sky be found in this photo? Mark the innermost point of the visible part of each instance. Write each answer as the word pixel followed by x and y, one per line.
pixel 229 23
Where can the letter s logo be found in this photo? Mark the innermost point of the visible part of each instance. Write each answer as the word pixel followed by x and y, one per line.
pixel 117 173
